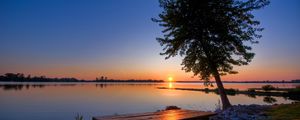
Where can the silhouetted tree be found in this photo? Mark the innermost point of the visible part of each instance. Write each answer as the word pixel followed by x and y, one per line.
pixel 211 35
pixel 28 77
pixel 12 76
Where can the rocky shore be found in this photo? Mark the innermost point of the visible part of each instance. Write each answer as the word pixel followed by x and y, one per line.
pixel 242 112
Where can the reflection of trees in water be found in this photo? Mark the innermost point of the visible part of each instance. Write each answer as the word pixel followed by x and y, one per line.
pixel 269 99
pixel 101 85
pixel 18 87
pixel 251 95
pixel 296 85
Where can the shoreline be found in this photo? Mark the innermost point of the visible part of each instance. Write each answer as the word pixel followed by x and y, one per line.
pixel 290 93
pixel 260 112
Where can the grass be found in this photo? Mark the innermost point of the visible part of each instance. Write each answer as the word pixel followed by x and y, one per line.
pixel 285 112
pixel 294 91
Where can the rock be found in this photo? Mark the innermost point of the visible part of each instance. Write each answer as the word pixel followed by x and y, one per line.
pixel 172 108
pixel 242 112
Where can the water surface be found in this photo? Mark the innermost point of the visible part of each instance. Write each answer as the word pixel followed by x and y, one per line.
pixel 49 101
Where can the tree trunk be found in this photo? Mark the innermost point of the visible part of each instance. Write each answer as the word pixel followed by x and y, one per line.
pixel 225 102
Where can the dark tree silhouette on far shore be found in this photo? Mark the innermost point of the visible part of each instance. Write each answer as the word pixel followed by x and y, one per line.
pixel 211 35
pixel 20 77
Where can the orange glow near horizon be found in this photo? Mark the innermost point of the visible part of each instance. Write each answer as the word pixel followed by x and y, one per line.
pixel 248 74
pixel 166 70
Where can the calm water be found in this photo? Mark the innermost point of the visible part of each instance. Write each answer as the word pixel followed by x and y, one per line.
pixel 62 101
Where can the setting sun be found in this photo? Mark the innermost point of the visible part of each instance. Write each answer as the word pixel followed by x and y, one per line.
pixel 170 79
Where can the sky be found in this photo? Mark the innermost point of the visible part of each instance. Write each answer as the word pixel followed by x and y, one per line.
pixel 116 38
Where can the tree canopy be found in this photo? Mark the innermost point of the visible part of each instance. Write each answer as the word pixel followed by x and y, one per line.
pixel 211 35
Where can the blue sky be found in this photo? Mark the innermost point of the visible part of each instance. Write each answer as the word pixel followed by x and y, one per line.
pixel 116 38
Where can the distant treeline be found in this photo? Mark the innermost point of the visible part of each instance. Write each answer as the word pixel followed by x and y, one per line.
pixel 132 80
pixel 20 77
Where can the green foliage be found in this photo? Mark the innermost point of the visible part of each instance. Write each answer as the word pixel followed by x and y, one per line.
pixel 229 91
pixel 211 35
pixel 206 90
pixel 252 90
pixel 268 88
pixel 295 91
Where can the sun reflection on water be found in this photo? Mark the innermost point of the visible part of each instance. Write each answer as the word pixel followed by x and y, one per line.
pixel 171 115
pixel 170 85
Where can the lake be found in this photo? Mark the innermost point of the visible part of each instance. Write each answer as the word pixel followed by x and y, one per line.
pixel 63 101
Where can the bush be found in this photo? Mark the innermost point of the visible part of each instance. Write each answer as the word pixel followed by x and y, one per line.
pixel 251 90
pixel 229 91
pixel 295 91
pixel 206 90
pixel 268 87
